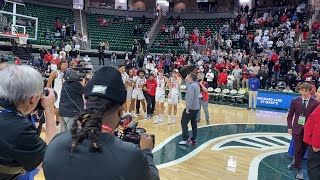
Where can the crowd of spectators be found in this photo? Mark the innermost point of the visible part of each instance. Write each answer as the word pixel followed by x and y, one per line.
pixel 266 44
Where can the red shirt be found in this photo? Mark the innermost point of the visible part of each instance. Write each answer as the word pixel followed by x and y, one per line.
pixel 222 78
pixel 205 95
pixel 312 129
pixel 48 58
pixel 208 33
pixel 284 19
pixel 56 61
pixel 151 87
pixel 194 38
pixel 203 41
pixel 17 61
pixel 274 57
pixel 276 67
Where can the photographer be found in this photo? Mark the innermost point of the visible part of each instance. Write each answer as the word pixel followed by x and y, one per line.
pixel 21 148
pixel 71 101
pixel 91 146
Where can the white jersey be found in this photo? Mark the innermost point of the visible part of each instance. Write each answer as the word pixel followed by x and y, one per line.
pixel 139 83
pixel 174 86
pixel 58 81
pixel 161 84
pixel 124 77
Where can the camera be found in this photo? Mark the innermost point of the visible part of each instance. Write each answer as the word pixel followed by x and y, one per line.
pixel 129 131
pixel 77 74
pixel 45 93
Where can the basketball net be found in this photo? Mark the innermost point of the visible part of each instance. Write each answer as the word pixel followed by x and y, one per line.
pixel 23 38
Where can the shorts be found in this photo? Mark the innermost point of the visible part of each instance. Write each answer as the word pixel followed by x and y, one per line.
pixel 160 98
pixel 129 94
pixel 137 95
pixel 173 99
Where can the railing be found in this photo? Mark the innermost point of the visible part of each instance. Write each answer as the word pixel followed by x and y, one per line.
pixel 3 20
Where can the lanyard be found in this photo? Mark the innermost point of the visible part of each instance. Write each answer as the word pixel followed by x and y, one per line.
pixel 5 111
pixel 108 129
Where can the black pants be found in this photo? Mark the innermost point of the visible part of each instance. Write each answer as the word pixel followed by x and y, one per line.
pixel 313 164
pixel 101 60
pixel 185 119
pixel 151 102
pixel 137 106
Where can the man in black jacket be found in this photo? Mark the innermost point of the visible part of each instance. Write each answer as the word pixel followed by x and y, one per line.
pixel 290 79
pixel 71 100
pixel 21 147
pixel 263 77
pixel 91 150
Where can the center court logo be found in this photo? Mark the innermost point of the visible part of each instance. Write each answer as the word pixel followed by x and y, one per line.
pixel 226 136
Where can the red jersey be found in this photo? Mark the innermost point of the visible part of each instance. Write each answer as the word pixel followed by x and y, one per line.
pixel 274 57
pixel 151 87
pixel 312 129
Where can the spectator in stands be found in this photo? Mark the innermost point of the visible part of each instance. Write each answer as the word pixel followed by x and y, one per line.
pixel 58 25
pixel 237 72
pixel 222 79
pixel 10 58
pixel 287 89
pixel 230 80
pixel 305 31
pixel 276 70
pixel 210 77
pixel 290 79
pixel 254 85
pixel 17 60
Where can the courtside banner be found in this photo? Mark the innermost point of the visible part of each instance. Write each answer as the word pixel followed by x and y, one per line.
pixel 278 100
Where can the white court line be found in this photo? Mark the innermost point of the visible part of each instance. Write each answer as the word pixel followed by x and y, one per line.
pixel 250 143
pixel 254 166
pixel 279 141
pixel 202 147
pixel 166 141
pixel 265 141
pixel 217 147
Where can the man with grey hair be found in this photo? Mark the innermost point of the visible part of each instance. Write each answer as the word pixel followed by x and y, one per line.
pixel 21 148
pixel 190 113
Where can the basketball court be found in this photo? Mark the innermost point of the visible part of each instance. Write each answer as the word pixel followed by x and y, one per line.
pixel 238 144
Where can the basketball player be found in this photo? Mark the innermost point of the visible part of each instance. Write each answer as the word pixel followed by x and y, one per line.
pixel 57 77
pixel 125 79
pixel 174 84
pixel 160 95
pixel 137 93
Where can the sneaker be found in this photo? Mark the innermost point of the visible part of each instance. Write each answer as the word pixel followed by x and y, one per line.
pixel 193 142
pixel 208 122
pixel 145 116
pixel 160 119
pixel 299 175
pixel 157 120
pixel 291 166
pixel 183 142
pixel 173 120
pixel 134 115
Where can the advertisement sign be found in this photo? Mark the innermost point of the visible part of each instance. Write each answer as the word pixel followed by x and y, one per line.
pixel 276 100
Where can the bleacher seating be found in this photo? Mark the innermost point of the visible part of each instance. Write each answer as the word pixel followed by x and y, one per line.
pixel 46 18
pixel 189 25
pixel 119 35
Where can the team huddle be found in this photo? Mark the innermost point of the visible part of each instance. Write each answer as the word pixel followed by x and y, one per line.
pixel 153 90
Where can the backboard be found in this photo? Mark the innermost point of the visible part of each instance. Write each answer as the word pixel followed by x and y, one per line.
pixel 12 24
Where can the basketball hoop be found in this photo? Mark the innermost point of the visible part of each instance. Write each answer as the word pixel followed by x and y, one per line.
pixel 23 38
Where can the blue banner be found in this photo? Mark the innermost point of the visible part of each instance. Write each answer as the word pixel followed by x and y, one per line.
pixel 278 100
